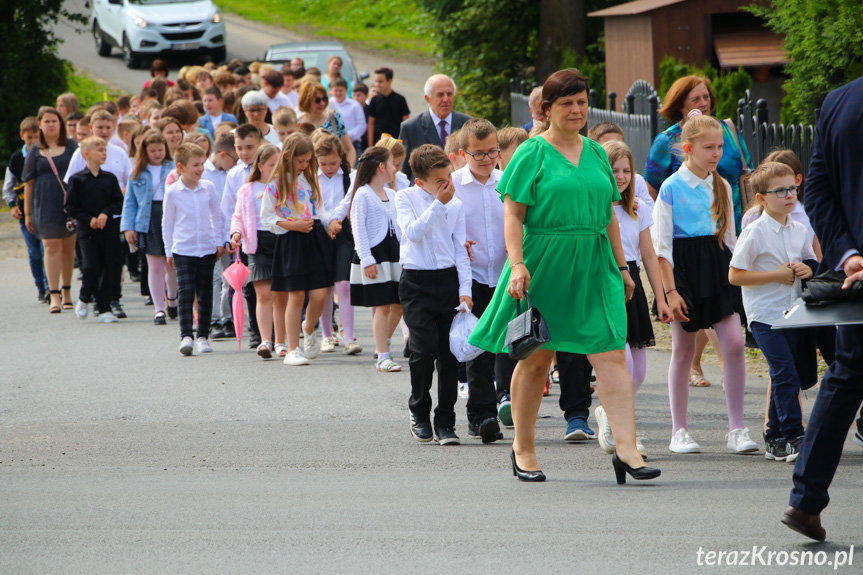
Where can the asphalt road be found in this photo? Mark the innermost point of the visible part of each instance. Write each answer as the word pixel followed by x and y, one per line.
pixel 246 40
pixel 117 455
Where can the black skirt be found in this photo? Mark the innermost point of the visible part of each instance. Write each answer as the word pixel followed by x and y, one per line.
pixel 384 289
pixel 151 242
pixel 344 249
pixel 303 261
pixel 261 262
pixel 639 330
pixel 701 277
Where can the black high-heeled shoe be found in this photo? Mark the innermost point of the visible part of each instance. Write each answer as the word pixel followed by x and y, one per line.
pixel 523 475
pixel 641 473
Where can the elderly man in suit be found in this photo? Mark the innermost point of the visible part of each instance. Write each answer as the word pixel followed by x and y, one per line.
pixel 834 203
pixel 435 124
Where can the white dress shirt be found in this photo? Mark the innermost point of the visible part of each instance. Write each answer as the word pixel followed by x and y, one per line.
pixel 119 143
pixel 192 223
pixel 433 235
pixel 293 97
pixel 117 162
pixel 353 116
pixel 631 228
pixel 234 180
pixel 278 101
pixel 642 193
pixel 483 217
pixel 764 245
pixel 332 189
pixel 437 120
pixel 215 175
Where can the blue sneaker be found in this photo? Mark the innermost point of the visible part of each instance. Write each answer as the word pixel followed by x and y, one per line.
pixel 504 411
pixel 578 430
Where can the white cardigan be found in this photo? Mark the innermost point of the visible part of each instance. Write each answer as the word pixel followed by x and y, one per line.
pixel 370 222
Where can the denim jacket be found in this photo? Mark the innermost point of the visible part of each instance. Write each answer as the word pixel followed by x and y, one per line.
pixel 139 196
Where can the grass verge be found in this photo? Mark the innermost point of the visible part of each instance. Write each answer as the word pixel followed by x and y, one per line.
pixel 396 27
pixel 88 89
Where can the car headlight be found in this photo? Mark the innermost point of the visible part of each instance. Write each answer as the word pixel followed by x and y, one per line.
pixel 216 18
pixel 140 22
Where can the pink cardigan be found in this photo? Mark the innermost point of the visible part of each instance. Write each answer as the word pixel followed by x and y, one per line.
pixel 245 219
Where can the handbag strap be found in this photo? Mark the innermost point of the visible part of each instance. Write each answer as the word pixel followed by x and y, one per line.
pixel 733 131
pixel 56 173
pixel 518 307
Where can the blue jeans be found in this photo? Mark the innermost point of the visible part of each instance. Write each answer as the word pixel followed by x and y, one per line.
pixel 36 253
pixel 785 350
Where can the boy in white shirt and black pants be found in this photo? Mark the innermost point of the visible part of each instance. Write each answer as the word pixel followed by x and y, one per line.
pixel 436 278
pixel 475 186
pixel 193 230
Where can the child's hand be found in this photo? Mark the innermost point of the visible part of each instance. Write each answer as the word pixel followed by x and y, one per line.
pixel 220 251
pixel 170 262
pixel 94 224
pixel 678 307
pixel 235 240
pixel 784 274
pixel 802 271
pixel 131 237
pixel 628 286
pixel 663 311
pixel 468 245
pixel 371 272
pixel 467 301
pixel 334 228
pixel 445 194
pixel 303 225
pixel 28 221
pixel 16 212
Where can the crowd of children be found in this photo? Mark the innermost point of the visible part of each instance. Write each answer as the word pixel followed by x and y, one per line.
pixel 186 178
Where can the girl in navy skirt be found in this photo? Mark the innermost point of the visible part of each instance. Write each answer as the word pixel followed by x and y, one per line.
pixel 141 220
pixel 293 209
pixel 259 244
pixel 375 270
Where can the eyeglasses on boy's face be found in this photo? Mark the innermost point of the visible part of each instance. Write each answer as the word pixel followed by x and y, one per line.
pixel 480 156
pixel 783 192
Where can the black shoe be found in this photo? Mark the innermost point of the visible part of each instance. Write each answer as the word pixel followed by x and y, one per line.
pixel 488 430
pixel 641 473
pixel 446 436
pixel 421 430
pixel 159 318
pixel 42 297
pixel 135 276
pixel 229 330
pixel 217 332
pixel 407 350
pixel 774 449
pixel 172 311
pixel 117 310
pixel 792 449
pixel 523 475
pixel 148 301
pixel 254 341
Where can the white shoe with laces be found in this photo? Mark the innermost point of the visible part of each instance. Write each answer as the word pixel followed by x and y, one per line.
pixel 108 317
pixel 328 345
pixel 312 344
pixel 682 442
pixel 740 442
pixel 81 309
pixel 203 345
pixel 186 346
pixel 352 347
pixel 605 437
pixel 296 357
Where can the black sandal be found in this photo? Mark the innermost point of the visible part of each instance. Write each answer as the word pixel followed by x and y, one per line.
pixel 172 309
pixel 68 304
pixel 54 308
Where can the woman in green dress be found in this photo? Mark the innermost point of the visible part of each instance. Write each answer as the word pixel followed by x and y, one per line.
pixel 564 247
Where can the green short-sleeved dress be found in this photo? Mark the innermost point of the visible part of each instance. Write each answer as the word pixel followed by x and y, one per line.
pixel 574 279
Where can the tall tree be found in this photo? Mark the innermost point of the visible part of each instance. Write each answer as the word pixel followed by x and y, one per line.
pixel 562 32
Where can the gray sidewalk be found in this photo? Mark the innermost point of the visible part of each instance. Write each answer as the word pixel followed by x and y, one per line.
pixel 117 455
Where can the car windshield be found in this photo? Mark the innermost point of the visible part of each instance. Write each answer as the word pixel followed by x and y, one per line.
pixel 316 59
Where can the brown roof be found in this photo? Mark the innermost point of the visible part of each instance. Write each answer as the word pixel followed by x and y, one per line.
pixel 748 49
pixel 632 8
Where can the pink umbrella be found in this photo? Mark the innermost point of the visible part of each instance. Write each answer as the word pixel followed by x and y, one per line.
pixel 236 274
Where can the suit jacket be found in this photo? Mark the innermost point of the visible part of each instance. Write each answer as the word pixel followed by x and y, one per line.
pixel 421 130
pixel 206 123
pixel 834 184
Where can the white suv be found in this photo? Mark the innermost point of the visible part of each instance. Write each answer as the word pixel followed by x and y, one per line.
pixel 154 27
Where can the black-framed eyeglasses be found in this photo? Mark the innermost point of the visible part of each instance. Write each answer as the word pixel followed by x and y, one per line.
pixel 235 158
pixel 783 192
pixel 480 156
pixel 320 100
pixel 255 110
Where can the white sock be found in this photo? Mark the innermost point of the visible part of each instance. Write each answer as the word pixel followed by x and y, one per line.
pixel 383 356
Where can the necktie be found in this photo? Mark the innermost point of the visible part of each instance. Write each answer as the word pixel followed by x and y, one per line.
pixel 443 133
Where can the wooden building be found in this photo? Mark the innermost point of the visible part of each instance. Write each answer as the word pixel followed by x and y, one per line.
pixel 640 34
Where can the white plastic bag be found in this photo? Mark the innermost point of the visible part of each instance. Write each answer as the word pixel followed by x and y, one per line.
pixel 462 324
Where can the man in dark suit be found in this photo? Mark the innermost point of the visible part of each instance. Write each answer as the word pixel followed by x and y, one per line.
pixel 834 203
pixel 435 124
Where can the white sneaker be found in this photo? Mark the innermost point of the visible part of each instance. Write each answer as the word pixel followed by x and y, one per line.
pixel 463 391
pixel 352 348
pixel 81 309
pixel 606 439
pixel 203 345
pixel 296 357
pixel 739 441
pixel 640 447
pixel 682 442
pixel 107 317
pixel 312 344
pixel 186 346
pixel 329 345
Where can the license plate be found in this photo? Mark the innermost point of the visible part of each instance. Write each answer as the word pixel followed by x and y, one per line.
pixel 186 46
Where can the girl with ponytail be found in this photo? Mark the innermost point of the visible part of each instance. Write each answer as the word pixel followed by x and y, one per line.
pixel 694 236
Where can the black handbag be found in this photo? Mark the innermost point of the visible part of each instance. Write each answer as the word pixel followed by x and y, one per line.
pixel 527 332
pixel 826 288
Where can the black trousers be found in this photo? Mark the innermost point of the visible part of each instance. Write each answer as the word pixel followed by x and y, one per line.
pixel 481 372
pixel 574 370
pixel 98 264
pixel 429 299
pixel 145 273
pixel 195 278
pixel 119 258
